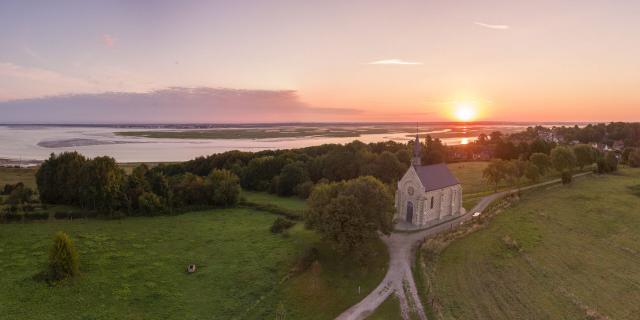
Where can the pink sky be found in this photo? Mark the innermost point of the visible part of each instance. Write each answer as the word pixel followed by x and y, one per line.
pixel 343 61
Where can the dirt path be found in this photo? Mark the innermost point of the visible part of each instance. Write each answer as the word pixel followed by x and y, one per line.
pixel 399 278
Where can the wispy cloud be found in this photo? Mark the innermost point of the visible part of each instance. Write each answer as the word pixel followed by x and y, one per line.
pixel 493 26
pixel 395 62
pixel 108 40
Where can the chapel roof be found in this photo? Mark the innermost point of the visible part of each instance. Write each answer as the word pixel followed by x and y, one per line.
pixel 435 176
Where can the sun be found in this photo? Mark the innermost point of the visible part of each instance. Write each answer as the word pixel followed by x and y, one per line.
pixel 465 111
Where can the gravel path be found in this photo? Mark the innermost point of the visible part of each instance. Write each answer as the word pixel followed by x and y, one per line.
pixel 401 247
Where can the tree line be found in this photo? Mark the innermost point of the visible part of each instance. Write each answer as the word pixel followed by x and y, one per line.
pixel 101 185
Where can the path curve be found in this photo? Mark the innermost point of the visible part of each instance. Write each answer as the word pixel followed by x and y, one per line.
pixel 401 247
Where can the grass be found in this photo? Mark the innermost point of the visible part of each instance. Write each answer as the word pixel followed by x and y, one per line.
pixel 565 252
pixel 135 268
pixel 389 309
pixel 474 186
pixel 289 203
pixel 15 175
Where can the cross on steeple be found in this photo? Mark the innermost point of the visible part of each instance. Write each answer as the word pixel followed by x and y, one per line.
pixel 417 150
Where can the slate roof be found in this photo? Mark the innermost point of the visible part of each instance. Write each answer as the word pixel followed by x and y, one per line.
pixel 435 176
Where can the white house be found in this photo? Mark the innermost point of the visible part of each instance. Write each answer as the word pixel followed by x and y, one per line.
pixel 429 194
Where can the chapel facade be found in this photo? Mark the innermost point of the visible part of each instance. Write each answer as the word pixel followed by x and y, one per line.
pixel 427 194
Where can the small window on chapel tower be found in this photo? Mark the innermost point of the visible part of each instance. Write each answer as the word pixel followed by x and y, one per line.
pixel 431 202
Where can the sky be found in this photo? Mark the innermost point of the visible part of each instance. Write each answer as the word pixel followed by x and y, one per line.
pixel 65 61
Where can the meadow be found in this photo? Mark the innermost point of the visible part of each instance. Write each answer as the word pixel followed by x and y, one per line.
pixel 135 268
pixel 564 252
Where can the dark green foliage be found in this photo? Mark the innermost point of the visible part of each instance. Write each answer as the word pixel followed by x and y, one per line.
pixel 585 155
pixel 304 189
pixel 541 161
pixel 350 214
pixel 224 187
pixel 291 176
pixel 634 158
pixel 495 172
pixel 59 177
pixel 281 224
pixel 607 163
pixel 563 159
pixel 309 256
pixel 63 258
pixel 532 172
pixel 386 167
pixel 102 185
pixel 150 204
pixel 435 151
pixel 8 188
pixel 20 195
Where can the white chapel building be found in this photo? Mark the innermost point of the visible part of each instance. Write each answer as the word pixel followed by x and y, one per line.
pixel 428 194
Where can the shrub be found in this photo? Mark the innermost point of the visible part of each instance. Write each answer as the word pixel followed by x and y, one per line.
pixel 225 187
pixel 281 224
pixel 150 204
pixel 304 189
pixel 634 158
pixel 63 258
pixel 309 256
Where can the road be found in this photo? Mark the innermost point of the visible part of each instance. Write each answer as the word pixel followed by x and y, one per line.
pixel 401 247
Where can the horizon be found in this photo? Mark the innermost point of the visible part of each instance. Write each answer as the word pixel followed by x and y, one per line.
pixel 239 62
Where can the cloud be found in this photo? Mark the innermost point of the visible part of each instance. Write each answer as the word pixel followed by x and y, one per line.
pixel 170 105
pixel 493 26
pixel 108 40
pixel 394 62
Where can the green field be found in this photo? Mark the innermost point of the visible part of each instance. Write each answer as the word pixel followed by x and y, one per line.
pixel 294 204
pixel 474 187
pixel 135 268
pixel 15 175
pixel 574 255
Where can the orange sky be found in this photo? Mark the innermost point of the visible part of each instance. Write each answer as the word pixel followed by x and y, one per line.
pixel 372 60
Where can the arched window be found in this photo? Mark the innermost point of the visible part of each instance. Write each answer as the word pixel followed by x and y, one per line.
pixel 431 202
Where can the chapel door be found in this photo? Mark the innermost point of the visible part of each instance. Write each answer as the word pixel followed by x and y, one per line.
pixel 409 212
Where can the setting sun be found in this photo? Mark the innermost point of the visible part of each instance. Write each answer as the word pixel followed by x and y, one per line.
pixel 465 111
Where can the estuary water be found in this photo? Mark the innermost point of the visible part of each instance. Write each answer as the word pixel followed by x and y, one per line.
pixel 20 144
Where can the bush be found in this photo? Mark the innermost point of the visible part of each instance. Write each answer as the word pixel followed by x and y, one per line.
pixel 304 189
pixel 150 204
pixel 566 177
pixel 63 258
pixel 634 158
pixel 281 224
pixel 309 256
pixel 225 187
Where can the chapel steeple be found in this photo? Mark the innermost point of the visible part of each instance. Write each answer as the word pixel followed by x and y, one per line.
pixel 417 151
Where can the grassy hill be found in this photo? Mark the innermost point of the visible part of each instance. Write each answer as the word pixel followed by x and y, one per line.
pixel 567 252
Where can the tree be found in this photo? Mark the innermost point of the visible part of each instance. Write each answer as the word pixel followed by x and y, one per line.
pixel 634 158
pixel 541 161
pixel 386 167
pixel 150 204
pixel 607 163
pixel 58 178
pixel 291 175
pixel 585 155
pixel 63 258
pixel 563 161
pixel 435 151
pixel 350 214
pixel 515 170
pixel 532 172
pixel 225 187
pixel 102 185
pixel 495 172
